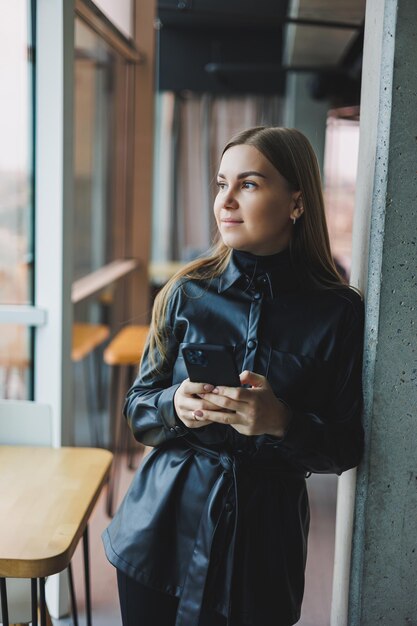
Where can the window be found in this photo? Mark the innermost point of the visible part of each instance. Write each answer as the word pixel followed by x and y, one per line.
pixel 101 146
pixel 16 362
pixel 340 165
pixel 120 12
pixel 16 192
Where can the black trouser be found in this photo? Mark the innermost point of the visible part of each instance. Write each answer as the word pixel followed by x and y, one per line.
pixel 142 606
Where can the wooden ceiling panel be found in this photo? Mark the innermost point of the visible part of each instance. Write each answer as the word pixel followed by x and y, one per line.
pixel 315 46
pixel 351 11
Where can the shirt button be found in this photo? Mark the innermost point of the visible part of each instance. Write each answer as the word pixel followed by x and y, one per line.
pixel 263 280
pixel 257 296
pixel 228 507
pixel 172 429
pixel 178 429
pixel 251 344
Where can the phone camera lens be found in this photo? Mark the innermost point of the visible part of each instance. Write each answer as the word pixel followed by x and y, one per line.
pixel 196 357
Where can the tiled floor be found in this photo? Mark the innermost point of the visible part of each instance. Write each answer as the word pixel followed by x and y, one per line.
pixel 316 608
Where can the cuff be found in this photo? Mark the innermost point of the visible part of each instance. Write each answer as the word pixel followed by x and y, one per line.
pixel 274 440
pixel 174 427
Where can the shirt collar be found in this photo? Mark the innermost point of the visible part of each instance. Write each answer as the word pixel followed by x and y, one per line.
pixel 270 278
pixel 231 274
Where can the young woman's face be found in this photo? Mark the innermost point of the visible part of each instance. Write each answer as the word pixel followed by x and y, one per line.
pixel 253 207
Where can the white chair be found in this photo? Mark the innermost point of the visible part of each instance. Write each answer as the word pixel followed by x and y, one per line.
pixel 26 423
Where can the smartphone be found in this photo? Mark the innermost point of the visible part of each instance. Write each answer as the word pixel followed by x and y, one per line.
pixel 207 363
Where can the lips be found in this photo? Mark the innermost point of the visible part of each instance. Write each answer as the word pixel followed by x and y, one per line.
pixel 231 221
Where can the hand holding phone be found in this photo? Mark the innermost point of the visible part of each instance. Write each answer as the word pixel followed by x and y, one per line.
pixel 213 364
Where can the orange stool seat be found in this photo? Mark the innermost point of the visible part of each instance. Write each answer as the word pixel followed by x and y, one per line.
pixel 86 337
pixel 127 347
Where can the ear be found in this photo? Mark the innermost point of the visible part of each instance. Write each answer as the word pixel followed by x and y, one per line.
pixel 298 207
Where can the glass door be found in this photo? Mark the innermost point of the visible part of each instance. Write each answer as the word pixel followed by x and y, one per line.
pixel 17 315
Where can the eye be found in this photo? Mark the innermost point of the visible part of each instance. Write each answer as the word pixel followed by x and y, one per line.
pixel 221 185
pixel 248 184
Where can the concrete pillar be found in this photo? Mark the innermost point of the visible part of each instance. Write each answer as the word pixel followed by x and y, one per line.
pixel 383 572
pixel 301 111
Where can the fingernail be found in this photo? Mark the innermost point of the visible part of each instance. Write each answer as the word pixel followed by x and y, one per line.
pixel 198 413
pixel 215 390
pixel 208 387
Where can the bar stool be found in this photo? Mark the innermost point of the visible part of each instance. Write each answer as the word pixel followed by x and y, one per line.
pixel 85 339
pixel 123 355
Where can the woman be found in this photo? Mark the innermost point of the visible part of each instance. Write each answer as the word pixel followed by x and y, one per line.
pixel 213 530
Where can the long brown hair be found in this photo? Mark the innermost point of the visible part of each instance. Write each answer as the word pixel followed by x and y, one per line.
pixel 291 154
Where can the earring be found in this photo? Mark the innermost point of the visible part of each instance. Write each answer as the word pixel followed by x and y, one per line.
pixel 294 219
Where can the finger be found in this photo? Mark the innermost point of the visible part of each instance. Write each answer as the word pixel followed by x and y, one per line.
pixel 209 405
pixel 239 394
pixel 195 388
pixel 224 402
pixel 192 422
pixel 192 416
pixel 255 380
pixel 191 403
pixel 189 419
pixel 220 417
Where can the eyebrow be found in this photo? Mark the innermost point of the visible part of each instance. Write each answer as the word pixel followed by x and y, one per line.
pixel 244 174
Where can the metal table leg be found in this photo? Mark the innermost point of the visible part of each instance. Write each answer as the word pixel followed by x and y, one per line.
pixel 42 601
pixel 34 597
pixel 72 596
pixel 87 576
pixel 4 607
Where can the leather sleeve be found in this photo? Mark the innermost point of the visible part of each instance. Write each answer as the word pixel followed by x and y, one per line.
pixel 149 405
pixel 332 442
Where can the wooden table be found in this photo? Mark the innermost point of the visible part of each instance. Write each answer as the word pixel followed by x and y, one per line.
pixel 46 498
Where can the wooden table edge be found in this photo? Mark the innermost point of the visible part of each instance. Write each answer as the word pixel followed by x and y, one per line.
pixel 56 563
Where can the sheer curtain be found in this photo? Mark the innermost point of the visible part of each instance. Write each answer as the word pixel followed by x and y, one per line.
pixel 191 131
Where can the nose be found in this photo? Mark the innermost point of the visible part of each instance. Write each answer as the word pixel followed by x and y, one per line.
pixel 230 201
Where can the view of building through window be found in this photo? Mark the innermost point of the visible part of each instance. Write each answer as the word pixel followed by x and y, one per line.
pixel 100 97
pixel 16 197
pixel 16 202
pixel 340 171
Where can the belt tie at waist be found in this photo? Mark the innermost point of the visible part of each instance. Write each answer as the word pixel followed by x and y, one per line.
pixel 217 511
pixel 190 604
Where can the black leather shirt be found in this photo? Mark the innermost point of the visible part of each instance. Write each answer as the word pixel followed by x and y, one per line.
pixel 218 518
